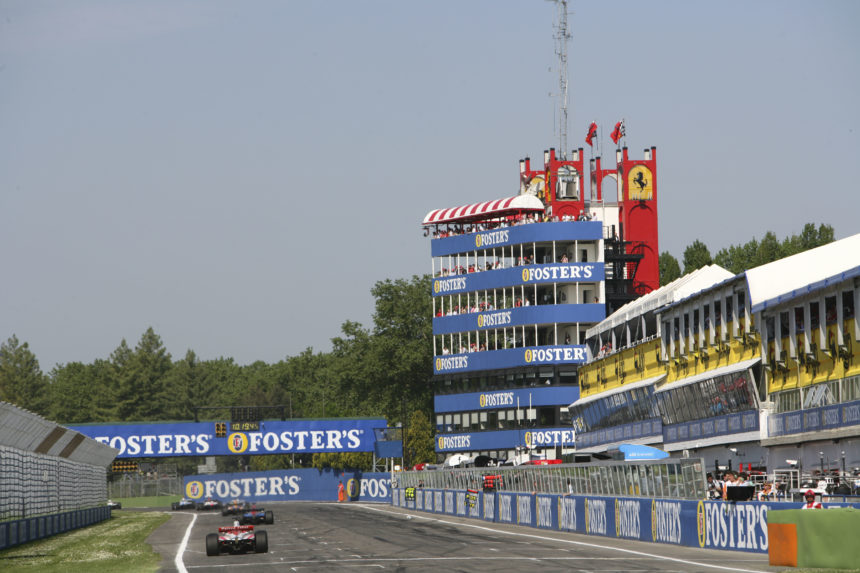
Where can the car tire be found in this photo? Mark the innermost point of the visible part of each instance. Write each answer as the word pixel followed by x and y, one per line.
pixel 270 517
pixel 174 506
pixel 224 511
pixel 212 545
pixel 261 542
pixel 199 507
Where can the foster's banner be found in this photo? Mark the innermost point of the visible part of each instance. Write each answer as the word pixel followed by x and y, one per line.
pixel 198 438
pixel 290 485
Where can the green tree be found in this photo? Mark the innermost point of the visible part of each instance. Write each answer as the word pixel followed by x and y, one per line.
pixel 669 268
pixel 141 394
pixel 419 446
pixel 696 256
pixel 769 250
pixel 21 380
pixel 72 394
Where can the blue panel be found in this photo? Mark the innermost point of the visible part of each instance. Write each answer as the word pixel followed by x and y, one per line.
pixel 274 437
pixel 712 427
pixel 537 314
pixel 503 399
pixel 505 439
pixel 509 358
pixel 635 430
pixel 531 233
pixel 814 419
pixel 389 449
pixel 516 276
pixel 290 485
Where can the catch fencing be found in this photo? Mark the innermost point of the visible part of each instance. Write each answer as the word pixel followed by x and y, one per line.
pixel 37 484
pixel 52 479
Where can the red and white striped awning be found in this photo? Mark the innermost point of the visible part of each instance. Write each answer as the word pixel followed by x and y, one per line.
pixel 486 210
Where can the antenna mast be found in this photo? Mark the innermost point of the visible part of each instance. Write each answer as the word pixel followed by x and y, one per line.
pixel 562 35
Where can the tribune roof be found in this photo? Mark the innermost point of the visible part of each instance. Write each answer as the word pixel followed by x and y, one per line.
pixel 497 207
pixel 803 273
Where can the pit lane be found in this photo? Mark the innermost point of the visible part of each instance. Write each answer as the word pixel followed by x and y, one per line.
pixel 310 537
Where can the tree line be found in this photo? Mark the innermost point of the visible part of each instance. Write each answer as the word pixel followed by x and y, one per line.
pixel 739 258
pixel 382 371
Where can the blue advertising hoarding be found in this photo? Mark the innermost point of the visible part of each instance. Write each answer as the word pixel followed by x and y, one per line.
pixel 172 439
pixel 736 526
pixel 506 399
pixel 518 316
pixel 505 439
pixel 515 276
pixel 510 358
pixel 505 236
pixel 289 485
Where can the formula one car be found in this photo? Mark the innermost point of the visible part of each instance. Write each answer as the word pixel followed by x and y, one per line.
pixel 114 504
pixel 237 539
pixel 234 507
pixel 256 515
pixel 208 503
pixel 184 503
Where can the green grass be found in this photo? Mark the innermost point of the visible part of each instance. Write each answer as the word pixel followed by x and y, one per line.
pixel 153 501
pixel 117 545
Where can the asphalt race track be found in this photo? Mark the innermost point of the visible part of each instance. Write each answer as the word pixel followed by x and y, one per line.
pixel 310 537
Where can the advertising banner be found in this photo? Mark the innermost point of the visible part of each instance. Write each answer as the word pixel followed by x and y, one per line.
pixel 506 399
pixel 199 438
pixel 521 275
pixel 505 236
pixel 736 526
pixel 510 357
pixel 543 437
pixel 289 485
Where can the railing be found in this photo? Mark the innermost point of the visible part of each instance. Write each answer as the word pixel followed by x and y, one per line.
pixel 675 478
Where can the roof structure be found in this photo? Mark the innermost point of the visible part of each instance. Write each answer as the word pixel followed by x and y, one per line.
pixel 487 209
pixel 803 273
pixel 696 281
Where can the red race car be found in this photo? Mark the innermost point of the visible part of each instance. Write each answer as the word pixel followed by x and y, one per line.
pixel 237 539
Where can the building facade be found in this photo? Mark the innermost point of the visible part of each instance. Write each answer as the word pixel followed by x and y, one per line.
pixel 756 370
pixel 517 283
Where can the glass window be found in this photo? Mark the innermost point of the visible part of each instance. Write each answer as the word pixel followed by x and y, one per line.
pixel 829 309
pixel 848 304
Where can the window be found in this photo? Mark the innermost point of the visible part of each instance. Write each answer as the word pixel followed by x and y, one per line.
pixel 848 304
pixel 830 309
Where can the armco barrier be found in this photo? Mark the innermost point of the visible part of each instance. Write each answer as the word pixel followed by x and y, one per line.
pixel 740 526
pixel 20 531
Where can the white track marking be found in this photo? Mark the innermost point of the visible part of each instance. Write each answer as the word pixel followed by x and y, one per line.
pixel 180 566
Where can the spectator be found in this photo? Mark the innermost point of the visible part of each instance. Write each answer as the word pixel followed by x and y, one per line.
pixel 766 493
pixel 810 501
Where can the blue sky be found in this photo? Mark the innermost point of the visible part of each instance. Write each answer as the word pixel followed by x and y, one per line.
pixel 238 175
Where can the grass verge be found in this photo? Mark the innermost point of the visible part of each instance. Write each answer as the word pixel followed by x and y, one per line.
pixel 153 501
pixel 117 545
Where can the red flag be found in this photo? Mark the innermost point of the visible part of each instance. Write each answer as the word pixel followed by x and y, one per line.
pixel 618 132
pixel 592 133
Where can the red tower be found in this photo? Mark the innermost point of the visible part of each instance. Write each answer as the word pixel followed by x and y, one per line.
pixel 559 184
pixel 638 215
